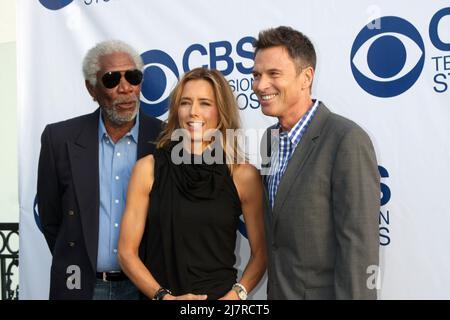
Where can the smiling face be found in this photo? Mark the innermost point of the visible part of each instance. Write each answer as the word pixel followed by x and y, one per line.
pixel 197 111
pixel 282 90
pixel 121 103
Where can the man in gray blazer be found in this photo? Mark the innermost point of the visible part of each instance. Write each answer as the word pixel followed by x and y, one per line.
pixel 322 181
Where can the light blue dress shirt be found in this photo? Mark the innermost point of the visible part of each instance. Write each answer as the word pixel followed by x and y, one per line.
pixel 116 161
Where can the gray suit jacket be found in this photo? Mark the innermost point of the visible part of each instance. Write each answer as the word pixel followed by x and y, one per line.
pixel 323 230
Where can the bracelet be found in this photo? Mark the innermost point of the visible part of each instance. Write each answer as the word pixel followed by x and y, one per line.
pixel 161 293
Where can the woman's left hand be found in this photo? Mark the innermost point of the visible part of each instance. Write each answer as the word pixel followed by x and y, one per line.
pixel 231 295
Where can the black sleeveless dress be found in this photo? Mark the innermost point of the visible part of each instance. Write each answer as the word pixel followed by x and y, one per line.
pixel 190 236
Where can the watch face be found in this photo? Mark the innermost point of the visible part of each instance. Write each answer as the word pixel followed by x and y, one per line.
pixel 240 291
pixel 242 295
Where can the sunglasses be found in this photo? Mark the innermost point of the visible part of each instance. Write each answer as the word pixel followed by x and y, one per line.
pixel 112 79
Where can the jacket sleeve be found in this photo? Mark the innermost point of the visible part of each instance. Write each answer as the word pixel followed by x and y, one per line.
pixel 356 207
pixel 49 202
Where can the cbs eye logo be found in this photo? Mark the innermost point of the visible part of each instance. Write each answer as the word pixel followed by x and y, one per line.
pixel 160 76
pixel 55 4
pixel 387 61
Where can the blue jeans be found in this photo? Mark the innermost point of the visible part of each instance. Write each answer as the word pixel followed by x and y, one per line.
pixel 115 290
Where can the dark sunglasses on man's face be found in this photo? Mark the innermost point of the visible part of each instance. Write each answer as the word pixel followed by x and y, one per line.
pixel 112 79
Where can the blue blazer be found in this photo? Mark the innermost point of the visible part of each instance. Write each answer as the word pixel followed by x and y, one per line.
pixel 69 199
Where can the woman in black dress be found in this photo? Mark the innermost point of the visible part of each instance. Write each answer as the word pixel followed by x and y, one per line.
pixel 178 233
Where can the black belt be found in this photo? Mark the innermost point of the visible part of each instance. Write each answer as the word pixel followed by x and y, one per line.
pixel 111 276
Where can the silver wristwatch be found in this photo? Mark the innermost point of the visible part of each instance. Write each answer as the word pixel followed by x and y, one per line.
pixel 240 291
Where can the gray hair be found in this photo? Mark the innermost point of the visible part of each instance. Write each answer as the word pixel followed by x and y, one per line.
pixel 91 63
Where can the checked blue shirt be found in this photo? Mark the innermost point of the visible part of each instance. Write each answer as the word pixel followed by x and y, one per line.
pixel 287 142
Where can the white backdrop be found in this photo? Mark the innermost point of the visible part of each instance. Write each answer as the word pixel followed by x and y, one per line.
pixel 390 76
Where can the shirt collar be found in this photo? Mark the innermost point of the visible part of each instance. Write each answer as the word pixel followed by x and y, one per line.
pixel 294 134
pixel 133 133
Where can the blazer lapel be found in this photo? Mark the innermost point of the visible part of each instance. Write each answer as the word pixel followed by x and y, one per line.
pixel 300 156
pixel 83 154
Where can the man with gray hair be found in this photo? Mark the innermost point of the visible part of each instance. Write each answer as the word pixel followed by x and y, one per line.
pixel 83 173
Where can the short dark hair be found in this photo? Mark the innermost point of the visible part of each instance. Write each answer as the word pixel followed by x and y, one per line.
pixel 299 47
